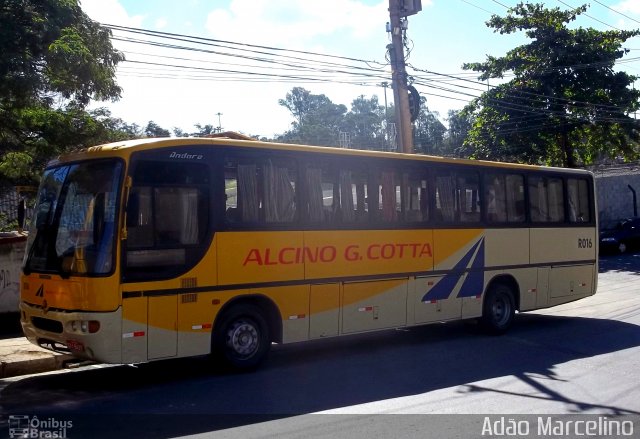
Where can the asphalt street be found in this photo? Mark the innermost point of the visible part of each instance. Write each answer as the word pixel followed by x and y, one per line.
pixel 579 358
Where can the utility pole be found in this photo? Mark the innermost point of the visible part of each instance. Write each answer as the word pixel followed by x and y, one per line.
pixel 398 12
pixel 219 129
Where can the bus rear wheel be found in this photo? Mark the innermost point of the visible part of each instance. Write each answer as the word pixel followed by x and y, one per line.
pixel 498 309
pixel 241 340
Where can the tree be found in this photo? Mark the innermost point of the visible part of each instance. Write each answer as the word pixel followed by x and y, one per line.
pixel 566 104
pixel 203 130
pixel 317 119
pixel 428 131
pixel 459 127
pixel 51 48
pixel 364 123
pixel 154 130
pixel 52 53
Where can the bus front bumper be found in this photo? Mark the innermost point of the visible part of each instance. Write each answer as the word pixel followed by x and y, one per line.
pixel 92 336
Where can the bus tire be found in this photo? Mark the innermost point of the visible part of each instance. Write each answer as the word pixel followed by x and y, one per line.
pixel 498 309
pixel 241 339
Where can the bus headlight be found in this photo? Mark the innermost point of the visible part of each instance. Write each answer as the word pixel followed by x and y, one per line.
pixel 85 326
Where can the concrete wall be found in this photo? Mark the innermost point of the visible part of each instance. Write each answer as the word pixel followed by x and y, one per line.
pixel 11 254
pixel 615 199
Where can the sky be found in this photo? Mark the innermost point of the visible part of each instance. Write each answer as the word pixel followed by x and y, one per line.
pixel 249 53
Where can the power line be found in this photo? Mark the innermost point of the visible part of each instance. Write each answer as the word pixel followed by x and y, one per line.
pixel 589 16
pixel 617 12
pixel 533 107
pixel 478 7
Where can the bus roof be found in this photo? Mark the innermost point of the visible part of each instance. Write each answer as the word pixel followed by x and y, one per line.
pixel 238 141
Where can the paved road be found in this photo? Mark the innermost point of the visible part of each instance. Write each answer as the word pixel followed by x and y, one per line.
pixel 582 357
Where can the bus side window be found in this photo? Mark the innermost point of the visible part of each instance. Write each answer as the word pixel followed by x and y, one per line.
pixel 279 191
pixel 495 198
pixel 361 190
pixel 515 198
pixel 578 192
pixel 414 198
pixel 389 196
pixel 320 188
pixel 546 199
pixel 259 192
pixel 445 193
pixel 345 213
pixel 504 198
pixel 468 197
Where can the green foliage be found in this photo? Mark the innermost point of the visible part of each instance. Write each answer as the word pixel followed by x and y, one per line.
pixel 51 47
pixel 429 132
pixel 51 53
pixel 36 134
pixel 365 124
pixel 566 105
pixel 154 130
pixel 318 121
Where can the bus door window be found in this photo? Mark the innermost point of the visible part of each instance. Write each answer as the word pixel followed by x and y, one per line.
pixel 578 193
pixel 232 213
pixel 167 217
pixel 546 199
pixel 140 225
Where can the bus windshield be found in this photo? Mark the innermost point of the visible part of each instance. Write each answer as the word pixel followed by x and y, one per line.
pixel 72 231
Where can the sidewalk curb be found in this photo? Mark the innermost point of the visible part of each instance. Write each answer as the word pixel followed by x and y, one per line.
pixel 34 365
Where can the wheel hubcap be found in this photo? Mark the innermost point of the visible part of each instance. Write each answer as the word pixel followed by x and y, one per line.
pixel 500 310
pixel 243 338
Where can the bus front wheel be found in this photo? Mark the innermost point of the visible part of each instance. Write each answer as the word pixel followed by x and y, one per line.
pixel 499 309
pixel 241 339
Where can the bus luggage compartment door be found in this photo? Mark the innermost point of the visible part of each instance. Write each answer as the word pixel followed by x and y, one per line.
pixel 571 281
pixel 162 333
pixel 435 306
pixel 374 305
pixel 325 310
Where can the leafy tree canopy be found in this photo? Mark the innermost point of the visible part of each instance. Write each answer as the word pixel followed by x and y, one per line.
pixel 317 119
pixel 566 104
pixel 51 48
pixel 54 61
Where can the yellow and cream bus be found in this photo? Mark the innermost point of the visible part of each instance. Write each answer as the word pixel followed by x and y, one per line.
pixel 163 248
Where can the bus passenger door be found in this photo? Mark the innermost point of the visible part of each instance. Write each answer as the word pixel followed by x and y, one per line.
pixel 162 332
